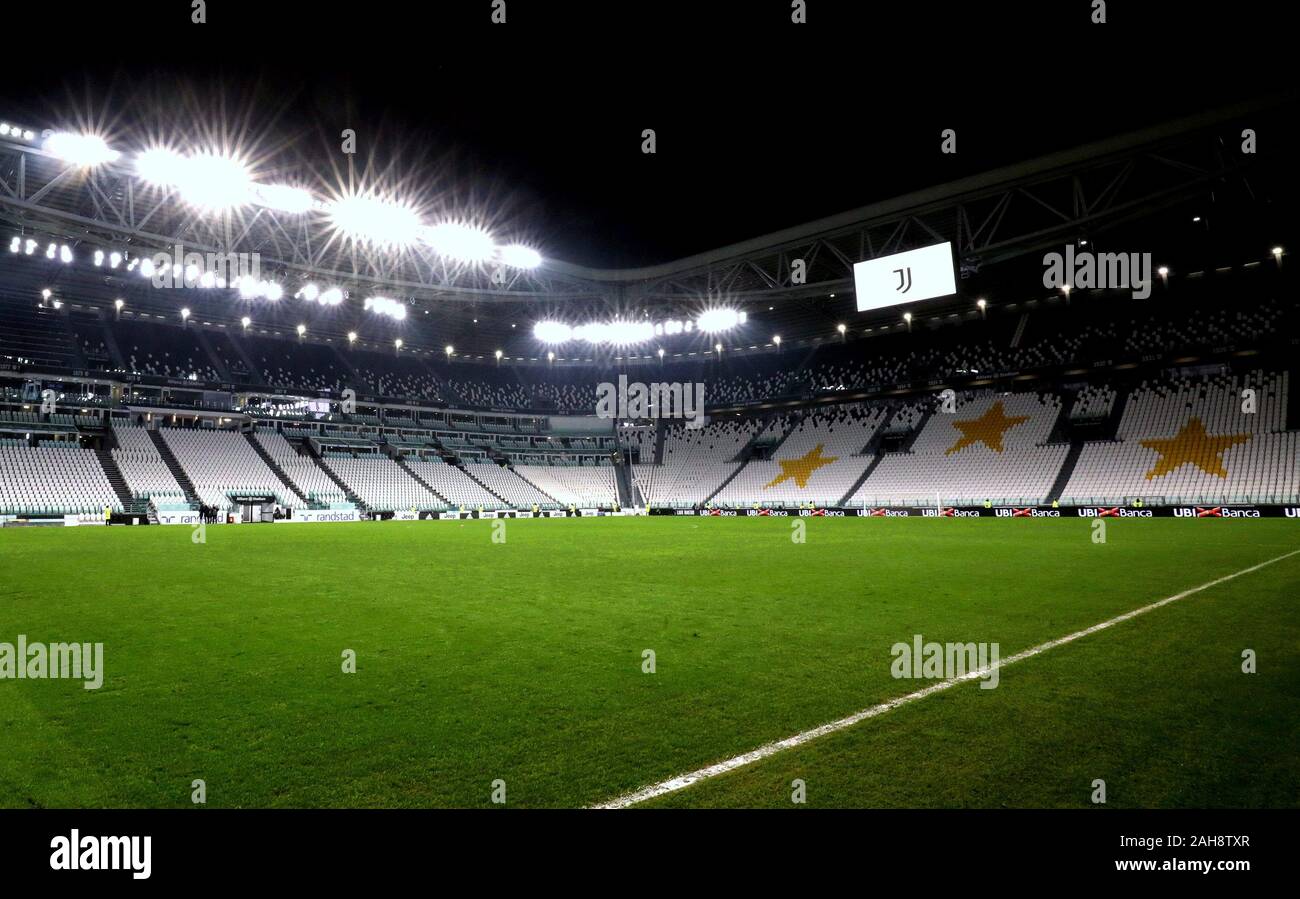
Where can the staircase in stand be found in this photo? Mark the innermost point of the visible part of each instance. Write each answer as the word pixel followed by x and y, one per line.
pixel 470 475
pixel 273 465
pixel 329 473
pixel 425 484
pixel 174 466
pixel 1067 469
pixel 866 473
pixel 118 483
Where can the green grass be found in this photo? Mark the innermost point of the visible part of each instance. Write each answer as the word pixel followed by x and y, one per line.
pixel 522 661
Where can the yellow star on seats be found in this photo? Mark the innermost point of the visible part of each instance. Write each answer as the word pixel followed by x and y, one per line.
pixel 1192 446
pixel 802 468
pixel 988 429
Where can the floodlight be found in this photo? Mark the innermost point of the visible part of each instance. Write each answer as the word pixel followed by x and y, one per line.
pixel 118 304
pixel 207 180
pixel 552 332
pixel 185 313
pixel 715 320
pixel 81 149
pixel 369 219
pixel 384 306
pixel 331 297
pixel 352 337
pixel 520 256
pixel 309 292
pixel 283 198
pixel 302 329
pixel 245 321
pixel 462 242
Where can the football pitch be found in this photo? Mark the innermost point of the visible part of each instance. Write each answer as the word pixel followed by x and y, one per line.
pixel 522 666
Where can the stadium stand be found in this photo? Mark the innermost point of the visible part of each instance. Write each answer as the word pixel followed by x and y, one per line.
pixel 695 462
pixel 1191 441
pixel 819 461
pixel 991 449
pixel 49 479
pixel 220 463
pixel 382 484
pixel 585 486
pixel 142 466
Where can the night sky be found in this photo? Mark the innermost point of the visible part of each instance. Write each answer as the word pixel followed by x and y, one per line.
pixel 537 124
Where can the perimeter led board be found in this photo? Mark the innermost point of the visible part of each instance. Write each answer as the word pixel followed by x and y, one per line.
pixel 905 277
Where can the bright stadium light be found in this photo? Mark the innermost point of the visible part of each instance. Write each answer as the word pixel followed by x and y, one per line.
pixel 498 354
pixel 272 291
pixel 352 337
pixel 552 332
pixel 283 198
pixel 369 219
pixel 449 349
pixel 331 297
pixel 617 333
pixel 185 314
pixel 114 260
pixel 716 320
pixel 118 304
pixel 15 245
pixel 777 339
pixel 519 256
pixel 85 150
pixel 309 292
pixel 99 258
pixel 207 180
pixel 245 321
pixel 302 329
pixel 841 328
pixel 384 306
pixel 459 241
pixel 398 343
pixel 65 254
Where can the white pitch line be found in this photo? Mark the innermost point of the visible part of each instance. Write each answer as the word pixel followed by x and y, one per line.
pixel 682 781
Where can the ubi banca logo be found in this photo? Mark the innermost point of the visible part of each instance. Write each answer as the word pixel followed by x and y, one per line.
pixel 638 400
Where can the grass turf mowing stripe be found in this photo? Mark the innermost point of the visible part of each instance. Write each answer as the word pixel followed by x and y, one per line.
pixel 683 781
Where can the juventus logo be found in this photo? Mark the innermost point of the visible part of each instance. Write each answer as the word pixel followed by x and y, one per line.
pixel 904 279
